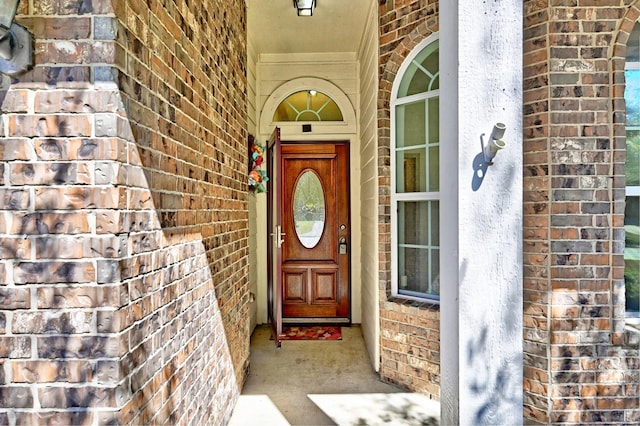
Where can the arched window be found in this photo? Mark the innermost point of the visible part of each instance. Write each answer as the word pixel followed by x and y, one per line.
pixel 415 196
pixel 308 105
pixel 632 173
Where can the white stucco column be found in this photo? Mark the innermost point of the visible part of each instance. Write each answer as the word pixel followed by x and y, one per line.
pixel 481 244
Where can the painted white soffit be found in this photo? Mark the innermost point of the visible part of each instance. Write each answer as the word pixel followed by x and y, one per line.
pixel 336 26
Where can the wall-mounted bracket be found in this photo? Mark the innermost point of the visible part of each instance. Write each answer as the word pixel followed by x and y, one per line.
pixel 494 144
pixel 16 50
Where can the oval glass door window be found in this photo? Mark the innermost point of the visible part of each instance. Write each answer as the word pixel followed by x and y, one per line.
pixel 309 209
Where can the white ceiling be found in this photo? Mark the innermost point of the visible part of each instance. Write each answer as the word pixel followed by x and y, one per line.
pixel 336 26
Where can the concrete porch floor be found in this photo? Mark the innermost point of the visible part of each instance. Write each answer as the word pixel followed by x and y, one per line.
pixel 323 383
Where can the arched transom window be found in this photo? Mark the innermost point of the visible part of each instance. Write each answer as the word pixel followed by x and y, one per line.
pixel 308 105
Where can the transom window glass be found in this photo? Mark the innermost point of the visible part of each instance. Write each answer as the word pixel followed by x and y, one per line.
pixel 415 199
pixel 632 172
pixel 308 105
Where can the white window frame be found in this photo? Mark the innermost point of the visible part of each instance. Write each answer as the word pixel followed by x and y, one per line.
pixel 409 196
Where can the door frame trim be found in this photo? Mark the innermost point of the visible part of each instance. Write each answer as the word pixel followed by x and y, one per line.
pixel 347 126
pixel 347 131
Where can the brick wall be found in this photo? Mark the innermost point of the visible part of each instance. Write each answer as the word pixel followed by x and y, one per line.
pixel 578 367
pixel 410 331
pixel 410 345
pixel 123 220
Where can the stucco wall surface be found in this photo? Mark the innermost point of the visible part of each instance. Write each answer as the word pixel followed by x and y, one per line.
pixel 481 85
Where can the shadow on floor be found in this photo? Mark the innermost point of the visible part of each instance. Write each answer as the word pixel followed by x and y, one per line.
pixel 323 383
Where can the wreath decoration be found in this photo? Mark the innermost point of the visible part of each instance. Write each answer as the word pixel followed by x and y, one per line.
pixel 257 175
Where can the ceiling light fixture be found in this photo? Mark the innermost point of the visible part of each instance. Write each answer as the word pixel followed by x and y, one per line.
pixel 304 7
pixel 16 43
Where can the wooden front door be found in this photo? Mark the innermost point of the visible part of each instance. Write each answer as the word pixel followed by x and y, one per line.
pixel 274 251
pixel 314 203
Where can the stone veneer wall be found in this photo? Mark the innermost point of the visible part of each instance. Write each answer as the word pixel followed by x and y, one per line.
pixel 580 367
pixel 410 331
pixel 123 215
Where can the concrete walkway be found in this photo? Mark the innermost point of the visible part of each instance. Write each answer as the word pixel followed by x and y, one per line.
pixel 323 383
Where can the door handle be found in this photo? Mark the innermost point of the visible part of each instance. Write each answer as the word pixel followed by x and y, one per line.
pixel 279 235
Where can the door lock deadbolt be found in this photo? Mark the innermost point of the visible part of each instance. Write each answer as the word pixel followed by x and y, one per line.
pixel 342 246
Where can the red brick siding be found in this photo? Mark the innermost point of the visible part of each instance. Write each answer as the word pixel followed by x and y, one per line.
pixel 536 210
pixel 577 367
pixel 410 331
pixel 187 103
pixel 124 224
pixel 410 346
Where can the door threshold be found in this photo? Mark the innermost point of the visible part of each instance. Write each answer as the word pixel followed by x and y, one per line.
pixel 345 321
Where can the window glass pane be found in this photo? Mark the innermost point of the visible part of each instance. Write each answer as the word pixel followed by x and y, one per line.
pixel 418 247
pixel 435 84
pixel 632 173
pixel 633 46
pixel 434 169
pixel 308 105
pixel 411 131
pixel 632 96
pixel 434 283
pixel 429 59
pixel 284 112
pixel 434 120
pixel 419 272
pixel 417 170
pixel 434 145
pixel 434 215
pixel 422 74
pixel 632 253
pixel 418 222
pixel 411 170
pixel 419 83
pixel 307 116
pixel 411 126
pixel 309 209
pixel 632 166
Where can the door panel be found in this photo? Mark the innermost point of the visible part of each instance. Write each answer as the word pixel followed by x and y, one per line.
pixel 274 250
pixel 295 286
pixel 325 287
pixel 315 220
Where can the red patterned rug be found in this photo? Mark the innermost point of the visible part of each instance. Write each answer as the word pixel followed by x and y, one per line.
pixel 311 333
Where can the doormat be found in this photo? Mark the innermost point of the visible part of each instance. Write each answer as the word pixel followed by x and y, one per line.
pixel 315 332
